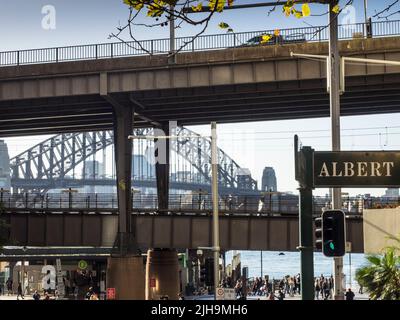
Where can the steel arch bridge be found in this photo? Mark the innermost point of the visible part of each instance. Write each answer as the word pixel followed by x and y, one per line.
pixel 52 163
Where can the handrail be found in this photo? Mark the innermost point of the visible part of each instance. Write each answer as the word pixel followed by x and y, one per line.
pixel 189 44
pixel 252 204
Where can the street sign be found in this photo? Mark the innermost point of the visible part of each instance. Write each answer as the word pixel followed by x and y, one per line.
pixel 226 294
pixel 220 294
pixel 230 294
pixel 356 169
pixel 82 264
pixel 110 293
pixel 152 282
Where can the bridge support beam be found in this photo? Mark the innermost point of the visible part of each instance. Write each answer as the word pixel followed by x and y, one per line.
pixel 126 275
pixel 161 154
pixel 162 274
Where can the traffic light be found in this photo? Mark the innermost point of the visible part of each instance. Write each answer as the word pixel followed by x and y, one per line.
pixel 369 28
pixel 202 273
pixel 330 233
pixel 209 280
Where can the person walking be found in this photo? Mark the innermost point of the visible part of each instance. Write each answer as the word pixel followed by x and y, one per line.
pixel 317 289
pixel 19 291
pixel 360 290
pixel 9 285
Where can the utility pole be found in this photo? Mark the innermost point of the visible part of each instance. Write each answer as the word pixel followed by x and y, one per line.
pixel 214 166
pixel 172 49
pixel 334 94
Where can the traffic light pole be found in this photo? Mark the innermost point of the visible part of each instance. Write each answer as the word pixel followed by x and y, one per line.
pixel 334 93
pixel 306 246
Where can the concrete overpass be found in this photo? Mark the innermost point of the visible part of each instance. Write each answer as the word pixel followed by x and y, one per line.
pixel 54 228
pixel 231 85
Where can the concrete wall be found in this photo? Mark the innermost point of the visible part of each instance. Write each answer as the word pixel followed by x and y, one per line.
pixel 379 226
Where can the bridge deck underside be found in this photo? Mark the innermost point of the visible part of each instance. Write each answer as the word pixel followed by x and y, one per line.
pixel 193 106
pixel 275 233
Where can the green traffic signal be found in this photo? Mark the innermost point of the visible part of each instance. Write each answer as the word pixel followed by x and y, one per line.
pixel 332 246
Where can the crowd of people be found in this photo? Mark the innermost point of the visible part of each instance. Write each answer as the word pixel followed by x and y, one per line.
pixel 323 287
pixel 279 289
pixel 82 285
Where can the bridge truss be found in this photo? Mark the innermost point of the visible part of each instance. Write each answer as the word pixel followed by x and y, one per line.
pixel 54 163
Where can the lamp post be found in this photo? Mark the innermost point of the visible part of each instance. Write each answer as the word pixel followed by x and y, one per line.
pixel 366 18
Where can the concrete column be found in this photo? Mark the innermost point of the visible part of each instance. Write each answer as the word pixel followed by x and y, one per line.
pixel 126 275
pixel 161 154
pixel 123 127
pixel 162 274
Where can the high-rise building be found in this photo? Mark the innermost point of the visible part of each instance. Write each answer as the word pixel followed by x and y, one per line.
pixel 244 178
pixel 269 180
pixel 93 170
pixel 392 192
pixel 5 181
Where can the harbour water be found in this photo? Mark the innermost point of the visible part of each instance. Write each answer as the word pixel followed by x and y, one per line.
pixel 279 264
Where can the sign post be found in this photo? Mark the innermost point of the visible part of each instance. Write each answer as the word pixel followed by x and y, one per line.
pixel 306 247
pixel 60 282
pixel 335 170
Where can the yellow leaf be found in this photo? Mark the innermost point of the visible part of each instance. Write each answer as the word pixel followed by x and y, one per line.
pixel 336 9
pixel 305 9
pixel 265 38
pixel 197 8
pixel 297 14
pixel 223 25
pixel 287 11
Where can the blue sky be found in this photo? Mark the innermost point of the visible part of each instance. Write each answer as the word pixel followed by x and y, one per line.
pixel 254 145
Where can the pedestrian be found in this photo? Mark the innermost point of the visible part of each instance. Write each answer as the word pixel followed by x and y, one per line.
pixel 9 285
pixel 281 295
pixel 349 295
pixel 317 289
pixel 360 291
pixel 326 290
pixel 19 291
pixel 36 295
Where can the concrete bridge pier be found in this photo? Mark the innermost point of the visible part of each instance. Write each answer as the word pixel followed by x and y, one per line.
pixel 126 274
pixel 125 270
pixel 161 154
pixel 162 274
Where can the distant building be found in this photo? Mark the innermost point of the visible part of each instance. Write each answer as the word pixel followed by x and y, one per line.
pixel 93 170
pixel 392 192
pixel 5 181
pixel 244 178
pixel 142 168
pixel 269 180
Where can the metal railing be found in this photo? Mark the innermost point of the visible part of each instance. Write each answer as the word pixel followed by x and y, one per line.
pixel 191 44
pixel 186 203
